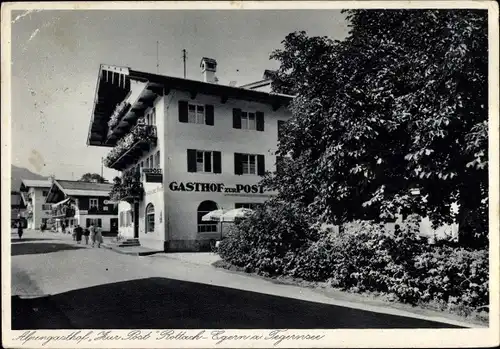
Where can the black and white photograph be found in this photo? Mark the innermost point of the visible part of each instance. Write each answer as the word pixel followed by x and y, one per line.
pixel 250 174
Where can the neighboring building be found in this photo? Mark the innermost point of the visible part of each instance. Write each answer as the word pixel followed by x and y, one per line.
pixel 83 203
pixel 17 207
pixel 34 193
pixel 263 85
pixel 185 148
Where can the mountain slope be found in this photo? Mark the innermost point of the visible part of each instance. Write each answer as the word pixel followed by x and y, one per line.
pixel 20 173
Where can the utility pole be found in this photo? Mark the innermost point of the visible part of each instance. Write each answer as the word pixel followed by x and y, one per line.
pixel 101 166
pixel 157 59
pixel 184 61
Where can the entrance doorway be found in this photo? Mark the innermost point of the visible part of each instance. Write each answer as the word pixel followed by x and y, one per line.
pixel 113 223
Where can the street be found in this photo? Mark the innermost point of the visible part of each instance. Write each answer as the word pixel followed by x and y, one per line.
pixel 57 284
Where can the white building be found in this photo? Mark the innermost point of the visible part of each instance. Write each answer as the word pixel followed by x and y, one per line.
pixel 34 193
pixel 193 146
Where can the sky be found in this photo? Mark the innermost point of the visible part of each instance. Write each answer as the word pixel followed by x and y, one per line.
pixel 56 57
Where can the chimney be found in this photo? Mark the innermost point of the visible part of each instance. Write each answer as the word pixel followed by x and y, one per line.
pixel 208 68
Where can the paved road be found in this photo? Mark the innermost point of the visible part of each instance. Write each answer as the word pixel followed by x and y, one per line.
pixel 57 284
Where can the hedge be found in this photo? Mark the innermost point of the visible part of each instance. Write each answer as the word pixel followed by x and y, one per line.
pixel 278 241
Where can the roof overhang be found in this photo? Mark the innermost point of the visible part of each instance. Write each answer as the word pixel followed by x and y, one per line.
pixel 113 88
pixel 113 85
pixel 54 191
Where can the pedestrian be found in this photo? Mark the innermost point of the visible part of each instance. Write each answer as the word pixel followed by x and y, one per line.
pixel 78 234
pixel 63 228
pixel 92 233
pixel 75 232
pixel 98 236
pixel 20 229
pixel 86 234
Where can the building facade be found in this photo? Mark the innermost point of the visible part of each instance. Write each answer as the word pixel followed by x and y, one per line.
pixel 185 148
pixel 17 208
pixel 34 193
pixel 83 203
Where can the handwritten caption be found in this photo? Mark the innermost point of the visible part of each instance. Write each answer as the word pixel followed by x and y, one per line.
pixel 217 337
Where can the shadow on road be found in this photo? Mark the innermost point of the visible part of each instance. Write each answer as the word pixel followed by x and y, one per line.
pixel 29 239
pixel 159 303
pixel 38 248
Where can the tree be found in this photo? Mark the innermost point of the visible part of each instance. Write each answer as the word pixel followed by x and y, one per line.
pixel 400 103
pixel 93 177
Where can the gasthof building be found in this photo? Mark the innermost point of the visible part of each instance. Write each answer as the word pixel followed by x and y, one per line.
pixel 185 148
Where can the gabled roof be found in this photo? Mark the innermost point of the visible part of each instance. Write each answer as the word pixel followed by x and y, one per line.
pixel 36 183
pixel 78 188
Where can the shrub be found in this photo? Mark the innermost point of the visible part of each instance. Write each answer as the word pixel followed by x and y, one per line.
pixel 265 241
pixel 363 257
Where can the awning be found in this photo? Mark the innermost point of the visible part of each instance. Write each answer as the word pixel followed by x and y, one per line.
pixel 60 203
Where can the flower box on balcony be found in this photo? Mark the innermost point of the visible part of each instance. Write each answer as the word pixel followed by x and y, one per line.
pixel 120 110
pixel 141 137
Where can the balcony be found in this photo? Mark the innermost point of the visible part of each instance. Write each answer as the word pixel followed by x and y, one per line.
pixel 128 149
pixel 63 212
pixel 129 188
pixel 117 116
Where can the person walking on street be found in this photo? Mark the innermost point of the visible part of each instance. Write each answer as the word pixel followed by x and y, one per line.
pixel 98 236
pixel 92 233
pixel 86 234
pixel 78 234
pixel 20 229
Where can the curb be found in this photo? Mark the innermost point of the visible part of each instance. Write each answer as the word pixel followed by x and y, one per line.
pixel 130 253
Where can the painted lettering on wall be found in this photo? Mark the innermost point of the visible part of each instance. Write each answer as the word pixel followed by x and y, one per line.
pixel 215 188
pixel 156 190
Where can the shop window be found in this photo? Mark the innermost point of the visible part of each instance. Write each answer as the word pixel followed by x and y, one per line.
pixel 204 161
pixel 196 113
pixel 204 208
pixel 96 221
pixel 248 120
pixel 252 164
pixel 150 218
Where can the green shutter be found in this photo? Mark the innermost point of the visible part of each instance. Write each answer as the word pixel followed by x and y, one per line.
pixel 208 161
pixel 191 160
pixel 260 120
pixel 261 167
pixel 209 115
pixel 238 166
pixel 217 162
pixel 236 118
pixel 183 111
